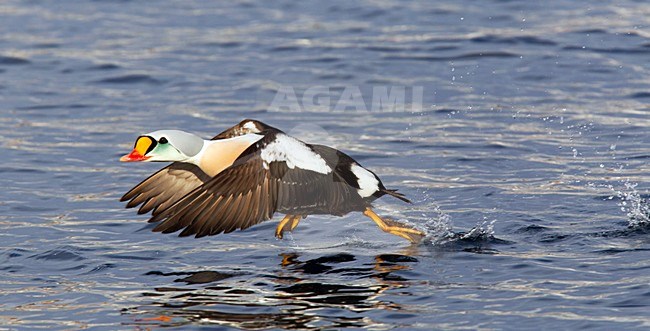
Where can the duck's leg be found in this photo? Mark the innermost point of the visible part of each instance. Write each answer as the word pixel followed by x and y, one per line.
pixel 396 228
pixel 288 223
pixel 283 223
pixel 295 221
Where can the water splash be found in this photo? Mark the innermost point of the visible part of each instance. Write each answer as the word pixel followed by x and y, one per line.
pixel 440 231
pixel 482 231
pixel 438 226
pixel 636 207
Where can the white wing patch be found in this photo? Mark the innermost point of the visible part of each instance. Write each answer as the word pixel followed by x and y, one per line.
pixel 250 126
pixel 294 153
pixel 368 183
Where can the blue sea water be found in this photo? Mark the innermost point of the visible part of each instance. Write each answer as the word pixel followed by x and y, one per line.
pixel 523 144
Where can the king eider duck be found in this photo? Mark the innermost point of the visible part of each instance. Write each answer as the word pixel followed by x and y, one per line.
pixel 246 174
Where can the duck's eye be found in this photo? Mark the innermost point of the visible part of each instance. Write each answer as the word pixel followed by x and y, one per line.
pixel 163 140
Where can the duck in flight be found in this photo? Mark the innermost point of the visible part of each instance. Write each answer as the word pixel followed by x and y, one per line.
pixel 246 174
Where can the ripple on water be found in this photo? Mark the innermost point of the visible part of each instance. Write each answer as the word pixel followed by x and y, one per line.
pixel 295 287
pixel 13 60
pixel 131 79
pixel 530 40
pixel 104 67
pixel 639 95
pixel 221 44
pixel 293 291
pixel 534 228
pixel 199 277
pixel 460 57
pixel 60 254
pixel 613 50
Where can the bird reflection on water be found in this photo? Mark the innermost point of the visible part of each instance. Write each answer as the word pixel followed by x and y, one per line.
pixel 299 294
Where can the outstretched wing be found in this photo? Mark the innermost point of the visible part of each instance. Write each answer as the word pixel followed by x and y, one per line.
pixel 165 187
pixel 265 179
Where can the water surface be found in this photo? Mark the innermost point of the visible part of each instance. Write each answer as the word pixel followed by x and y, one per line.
pixel 527 164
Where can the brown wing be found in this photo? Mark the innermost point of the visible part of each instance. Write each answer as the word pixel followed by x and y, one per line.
pixel 247 193
pixel 165 187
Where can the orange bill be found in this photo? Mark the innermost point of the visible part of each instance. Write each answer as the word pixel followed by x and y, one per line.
pixel 143 145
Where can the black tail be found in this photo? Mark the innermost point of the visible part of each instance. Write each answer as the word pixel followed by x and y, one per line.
pixel 395 194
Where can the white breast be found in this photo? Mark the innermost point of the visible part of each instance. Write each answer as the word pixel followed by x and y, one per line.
pixel 217 155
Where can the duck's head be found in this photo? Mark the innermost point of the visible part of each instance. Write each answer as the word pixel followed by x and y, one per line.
pixel 164 146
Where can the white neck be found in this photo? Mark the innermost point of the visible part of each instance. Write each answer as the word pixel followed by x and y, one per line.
pixel 196 158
